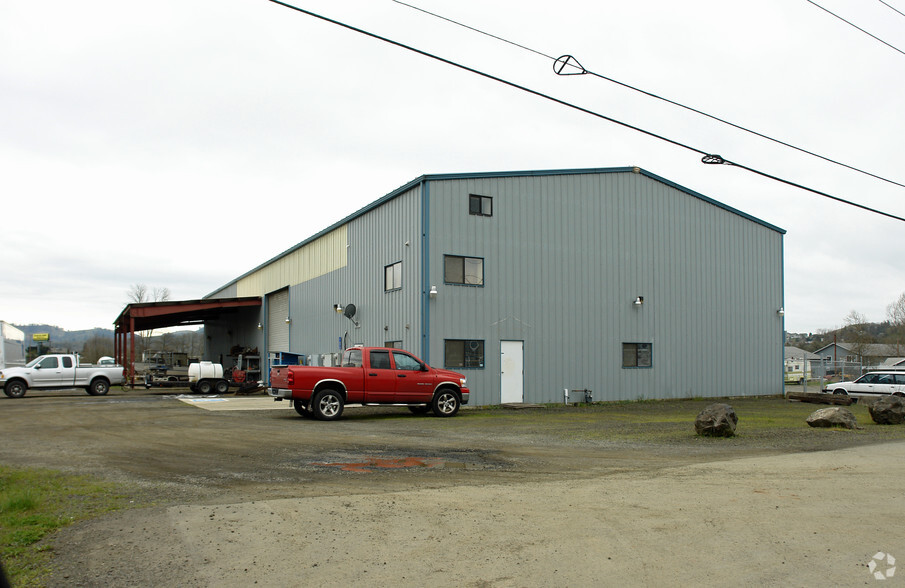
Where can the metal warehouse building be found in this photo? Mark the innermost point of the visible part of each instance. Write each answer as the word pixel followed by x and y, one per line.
pixel 531 283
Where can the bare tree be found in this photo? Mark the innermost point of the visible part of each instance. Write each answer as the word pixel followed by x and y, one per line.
pixel 96 347
pixel 856 332
pixel 895 312
pixel 138 294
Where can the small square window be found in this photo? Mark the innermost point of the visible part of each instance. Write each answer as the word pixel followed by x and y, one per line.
pixel 637 355
pixel 463 270
pixel 392 277
pixel 480 205
pixel 393 344
pixel 463 353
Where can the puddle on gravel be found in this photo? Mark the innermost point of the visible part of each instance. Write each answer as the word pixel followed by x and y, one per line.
pixel 369 464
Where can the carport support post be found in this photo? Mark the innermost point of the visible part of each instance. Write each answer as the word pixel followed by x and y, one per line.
pixel 132 350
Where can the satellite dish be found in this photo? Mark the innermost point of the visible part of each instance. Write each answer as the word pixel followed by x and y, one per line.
pixel 349 311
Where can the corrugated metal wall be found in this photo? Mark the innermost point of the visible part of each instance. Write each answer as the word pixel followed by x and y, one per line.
pixel 565 256
pixel 386 235
pixel 320 257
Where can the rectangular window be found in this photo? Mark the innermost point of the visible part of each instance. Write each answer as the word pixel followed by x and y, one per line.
pixel 67 362
pixel 636 355
pixel 480 205
pixel 463 270
pixel 392 277
pixel 464 353
pixel 393 344
pixel 380 360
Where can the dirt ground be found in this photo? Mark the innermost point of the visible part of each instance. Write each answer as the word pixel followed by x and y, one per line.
pixel 240 492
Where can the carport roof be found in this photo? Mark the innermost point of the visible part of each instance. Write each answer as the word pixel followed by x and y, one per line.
pixel 157 315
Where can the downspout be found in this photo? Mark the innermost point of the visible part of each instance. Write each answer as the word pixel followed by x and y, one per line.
pixel 425 271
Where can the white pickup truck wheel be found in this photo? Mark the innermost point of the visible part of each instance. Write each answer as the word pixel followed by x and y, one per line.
pixel 15 389
pixel 98 387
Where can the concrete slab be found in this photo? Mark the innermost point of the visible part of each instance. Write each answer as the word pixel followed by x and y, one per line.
pixel 232 402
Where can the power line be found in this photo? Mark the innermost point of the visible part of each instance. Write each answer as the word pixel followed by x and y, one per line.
pixel 706 157
pixel 857 27
pixel 560 63
pixel 891 7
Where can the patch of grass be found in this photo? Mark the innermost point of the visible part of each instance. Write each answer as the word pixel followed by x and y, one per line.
pixel 769 423
pixel 34 504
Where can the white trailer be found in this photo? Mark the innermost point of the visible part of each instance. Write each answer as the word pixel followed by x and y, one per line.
pixel 12 346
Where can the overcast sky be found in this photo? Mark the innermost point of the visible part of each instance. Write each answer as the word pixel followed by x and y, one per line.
pixel 180 144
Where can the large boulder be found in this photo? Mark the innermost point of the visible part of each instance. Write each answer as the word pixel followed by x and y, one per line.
pixel 717 420
pixel 835 416
pixel 889 410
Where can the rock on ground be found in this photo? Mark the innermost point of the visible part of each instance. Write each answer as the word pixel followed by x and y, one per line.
pixel 717 420
pixel 889 410
pixel 835 416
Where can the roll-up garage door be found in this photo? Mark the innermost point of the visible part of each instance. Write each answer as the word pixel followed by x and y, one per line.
pixel 277 327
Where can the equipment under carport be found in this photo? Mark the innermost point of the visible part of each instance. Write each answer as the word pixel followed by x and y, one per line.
pixel 206 377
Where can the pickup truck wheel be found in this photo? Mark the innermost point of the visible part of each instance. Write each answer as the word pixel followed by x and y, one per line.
pixel 15 389
pixel 328 405
pixel 203 387
pixel 98 387
pixel 445 404
pixel 420 409
pixel 222 386
pixel 299 406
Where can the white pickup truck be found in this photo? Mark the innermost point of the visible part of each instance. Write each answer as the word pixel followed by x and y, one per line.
pixel 59 371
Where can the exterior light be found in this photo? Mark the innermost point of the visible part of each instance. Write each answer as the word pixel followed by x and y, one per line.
pixel 433 292
pixel 260 326
pixel 338 308
pixel 288 320
pixel 781 312
pixel 639 300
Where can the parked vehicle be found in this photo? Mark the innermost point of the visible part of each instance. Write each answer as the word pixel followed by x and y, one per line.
pixel 871 385
pixel 368 376
pixel 59 371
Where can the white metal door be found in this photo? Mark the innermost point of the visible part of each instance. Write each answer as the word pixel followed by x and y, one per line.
pixel 512 371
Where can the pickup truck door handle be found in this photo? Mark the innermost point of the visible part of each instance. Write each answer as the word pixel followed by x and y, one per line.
pixel 372 374
pixel 401 375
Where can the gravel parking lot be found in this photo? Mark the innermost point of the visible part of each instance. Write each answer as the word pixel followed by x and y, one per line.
pixel 237 492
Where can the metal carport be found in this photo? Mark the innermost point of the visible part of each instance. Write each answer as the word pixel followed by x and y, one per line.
pixel 147 316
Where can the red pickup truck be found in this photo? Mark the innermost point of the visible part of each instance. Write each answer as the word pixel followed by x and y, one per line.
pixel 369 375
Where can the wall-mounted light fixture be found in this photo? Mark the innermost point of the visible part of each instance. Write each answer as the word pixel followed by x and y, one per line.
pixel 639 300
pixel 260 326
pixel 338 308
pixel 781 311
pixel 288 320
pixel 433 292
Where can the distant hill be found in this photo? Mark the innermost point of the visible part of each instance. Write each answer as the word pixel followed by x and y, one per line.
pixel 61 338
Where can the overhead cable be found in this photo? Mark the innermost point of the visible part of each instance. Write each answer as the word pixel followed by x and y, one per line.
pixel 560 65
pixel 891 7
pixel 851 24
pixel 706 157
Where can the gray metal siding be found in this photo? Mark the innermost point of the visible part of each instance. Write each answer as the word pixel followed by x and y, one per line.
pixel 565 256
pixel 376 239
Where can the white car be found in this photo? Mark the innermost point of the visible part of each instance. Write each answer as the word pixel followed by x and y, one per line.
pixel 871 385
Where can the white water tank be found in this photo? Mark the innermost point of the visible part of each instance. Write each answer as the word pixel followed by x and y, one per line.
pixel 205 370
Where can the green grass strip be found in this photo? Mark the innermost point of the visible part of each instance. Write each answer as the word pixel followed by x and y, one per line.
pixel 35 503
